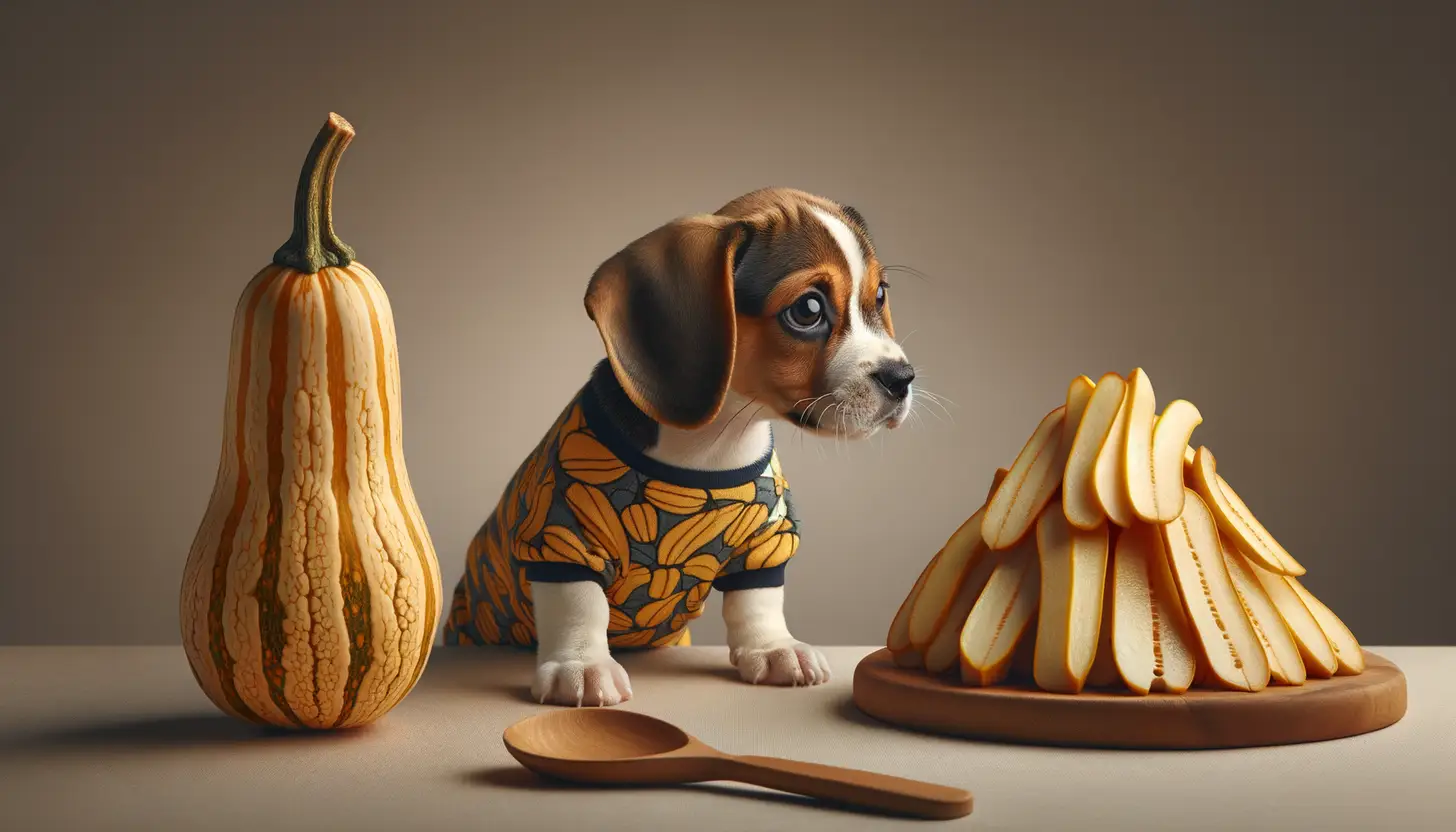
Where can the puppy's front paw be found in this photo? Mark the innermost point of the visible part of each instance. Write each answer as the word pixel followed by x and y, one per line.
pixel 781 663
pixel 599 682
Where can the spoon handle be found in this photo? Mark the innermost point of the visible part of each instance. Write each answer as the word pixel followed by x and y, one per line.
pixel 849 786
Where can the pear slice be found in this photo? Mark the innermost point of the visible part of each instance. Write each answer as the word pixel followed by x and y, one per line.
pixel 1109 477
pixel 930 608
pixel 1320 661
pixel 1347 649
pixel 1079 393
pixel 1079 496
pixel 908 659
pixel 1155 469
pixel 1152 640
pixel 898 640
pixel 1029 486
pixel 1137 447
pixel 958 557
pixel 1073 565
pixel 1104 664
pixel 1286 666
pixel 1235 519
pixel 1222 631
pixel 1023 657
pixel 944 648
pixel 996 479
pixel 1000 615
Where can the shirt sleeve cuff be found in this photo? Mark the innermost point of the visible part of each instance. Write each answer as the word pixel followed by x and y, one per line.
pixel 562 573
pixel 751 579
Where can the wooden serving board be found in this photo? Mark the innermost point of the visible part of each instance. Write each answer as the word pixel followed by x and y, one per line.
pixel 1320 709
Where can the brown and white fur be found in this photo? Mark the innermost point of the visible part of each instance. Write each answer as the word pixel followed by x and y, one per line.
pixel 710 327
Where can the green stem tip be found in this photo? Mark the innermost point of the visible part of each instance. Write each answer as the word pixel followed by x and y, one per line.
pixel 314 245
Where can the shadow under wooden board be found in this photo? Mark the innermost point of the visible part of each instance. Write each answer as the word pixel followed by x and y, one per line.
pixel 1320 709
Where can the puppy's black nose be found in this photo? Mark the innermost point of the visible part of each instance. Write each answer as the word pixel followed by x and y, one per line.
pixel 895 377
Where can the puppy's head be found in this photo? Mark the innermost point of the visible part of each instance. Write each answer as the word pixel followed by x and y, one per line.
pixel 777 296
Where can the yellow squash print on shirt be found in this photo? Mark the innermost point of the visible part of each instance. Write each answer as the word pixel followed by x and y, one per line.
pixel 657 541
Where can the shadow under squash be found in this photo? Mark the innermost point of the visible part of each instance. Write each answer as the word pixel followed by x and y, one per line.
pixel 180 731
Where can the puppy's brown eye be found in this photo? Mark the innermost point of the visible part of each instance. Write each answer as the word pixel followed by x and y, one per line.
pixel 806 314
pixel 882 293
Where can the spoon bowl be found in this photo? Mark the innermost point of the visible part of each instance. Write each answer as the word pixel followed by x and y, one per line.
pixel 597 745
pixel 621 747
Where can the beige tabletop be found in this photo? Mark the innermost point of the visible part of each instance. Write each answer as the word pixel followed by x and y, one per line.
pixel 121 738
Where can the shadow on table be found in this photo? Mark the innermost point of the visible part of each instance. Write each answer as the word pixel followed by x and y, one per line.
pixel 164 732
pixel 515 777
pixel 846 710
pixel 522 692
pixel 507 672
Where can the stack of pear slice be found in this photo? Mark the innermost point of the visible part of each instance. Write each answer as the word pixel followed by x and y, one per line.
pixel 1112 555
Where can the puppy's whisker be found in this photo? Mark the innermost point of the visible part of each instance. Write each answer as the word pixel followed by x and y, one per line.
pixel 748 423
pixel 908 270
pixel 819 426
pixel 819 423
pixel 922 375
pixel 735 415
pixel 946 418
pixel 924 410
pixel 915 414
pixel 932 412
pixel 935 397
pixel 812 402
pixel 939 405
pixel 939 401
pixel 837 409
pixel 920 386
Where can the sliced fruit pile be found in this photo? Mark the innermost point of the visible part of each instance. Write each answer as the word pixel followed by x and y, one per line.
pixel 1112 555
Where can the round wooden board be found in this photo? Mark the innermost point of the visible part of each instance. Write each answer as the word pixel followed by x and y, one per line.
pixel 1320 709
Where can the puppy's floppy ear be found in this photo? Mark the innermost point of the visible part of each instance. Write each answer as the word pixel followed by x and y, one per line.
pixel 664 308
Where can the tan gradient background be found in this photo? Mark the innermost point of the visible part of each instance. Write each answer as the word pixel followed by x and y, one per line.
pixel 1255 205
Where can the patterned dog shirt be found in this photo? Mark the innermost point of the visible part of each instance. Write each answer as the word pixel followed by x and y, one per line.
pixel 588 505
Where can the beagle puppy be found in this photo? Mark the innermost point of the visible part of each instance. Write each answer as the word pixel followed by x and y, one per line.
pixel 658 481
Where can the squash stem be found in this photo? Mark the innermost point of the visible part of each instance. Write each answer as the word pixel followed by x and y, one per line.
pixel 314 245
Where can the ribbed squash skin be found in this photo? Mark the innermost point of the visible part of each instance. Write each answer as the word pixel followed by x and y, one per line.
pixel 312 590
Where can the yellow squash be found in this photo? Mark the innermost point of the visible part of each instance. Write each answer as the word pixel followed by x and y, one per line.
pixel 312 590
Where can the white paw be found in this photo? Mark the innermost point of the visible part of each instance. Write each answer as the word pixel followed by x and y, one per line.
pixel 781 663
pixel 600 682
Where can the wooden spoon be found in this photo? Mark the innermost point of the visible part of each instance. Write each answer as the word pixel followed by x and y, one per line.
pixel 600 745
